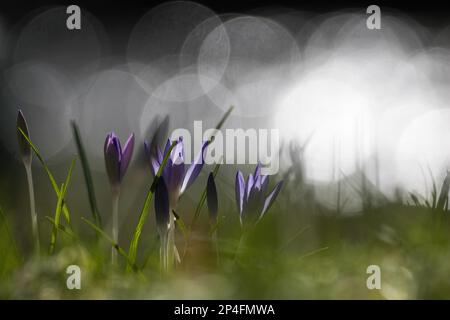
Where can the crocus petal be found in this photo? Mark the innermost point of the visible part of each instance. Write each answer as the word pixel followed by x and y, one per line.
pixel 239 190
pixel 257 173
pixel 24 147
pixel 271 198
pixel 154 166
pixel 127 153
pixel 175 178
pixel 194 169
pixel 112 159
pixel 253 207
pixel 162 206
pixel 249 185
pixel 154 156
pixel 264 183
pixel 166 148
pixel 177 154
pixel 257 183
pixel 211 197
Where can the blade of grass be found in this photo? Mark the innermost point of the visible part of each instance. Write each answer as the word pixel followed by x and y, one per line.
pixel 295 236
pixel 216 169
pixel 222 121
pixel 132 252
pixel 197 213
pixel 59 204
pixel 4 222
pixel 49 173
pixel 180 224
pixel 434 188
pixel 87 174
pixel 443 196
pixel 57 214
pixel 62 228
pixel 112 242
pixel 203 196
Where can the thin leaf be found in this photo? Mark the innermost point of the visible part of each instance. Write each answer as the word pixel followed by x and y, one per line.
pixel 132 252
pixel 180 224
pixel 197 212
pixel 222 121
pixel 49 173
pixel 112 242
pixel 62 228
pixel 4 222
pixel 57 214
pixel 59 205
pixel 216 225
pixel 87 174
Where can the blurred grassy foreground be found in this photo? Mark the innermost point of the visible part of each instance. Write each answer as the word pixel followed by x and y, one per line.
pixel 291 254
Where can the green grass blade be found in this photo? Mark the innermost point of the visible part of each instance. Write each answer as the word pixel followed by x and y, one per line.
pixel 112 242
pixel 49 173
pixel 181 225
pixel 132 252
pixel 224 118
pixel 62 228
pixel 59 206
pixel 199 208
pixel 4 224
pixel 203 196
pixel 216 169
pixel 57 215
pixel 87 174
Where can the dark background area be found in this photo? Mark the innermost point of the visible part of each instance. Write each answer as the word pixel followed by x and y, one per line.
pixel 119 12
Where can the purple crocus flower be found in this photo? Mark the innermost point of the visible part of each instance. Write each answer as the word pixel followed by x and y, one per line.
pixel 251 198
pixel 177 176
pixel 117 159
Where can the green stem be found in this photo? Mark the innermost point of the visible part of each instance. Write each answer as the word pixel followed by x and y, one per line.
pixel 115 222
pixel 239 246
pixel 34 222
pixel 215 241
pixel 171 243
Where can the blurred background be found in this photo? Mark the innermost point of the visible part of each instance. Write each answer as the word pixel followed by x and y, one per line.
pixel 362 114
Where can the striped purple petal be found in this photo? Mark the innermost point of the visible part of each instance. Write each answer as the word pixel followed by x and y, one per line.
pixel 249 185
pixel 127 153
pixel 177 154
pixel 167 147
pixel 239 190
pixel 175 175
pixel 271 198
pixel 112 158
pixel 253 207
pixel 194 169
pixel 257 173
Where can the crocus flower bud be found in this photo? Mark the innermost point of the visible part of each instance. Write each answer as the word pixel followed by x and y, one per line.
pixel 116 159
pixel 211 197
pixel 24 146
pixel 251 196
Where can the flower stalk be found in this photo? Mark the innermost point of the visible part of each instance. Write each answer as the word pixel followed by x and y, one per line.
pixel 117 161
pixel 26 154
